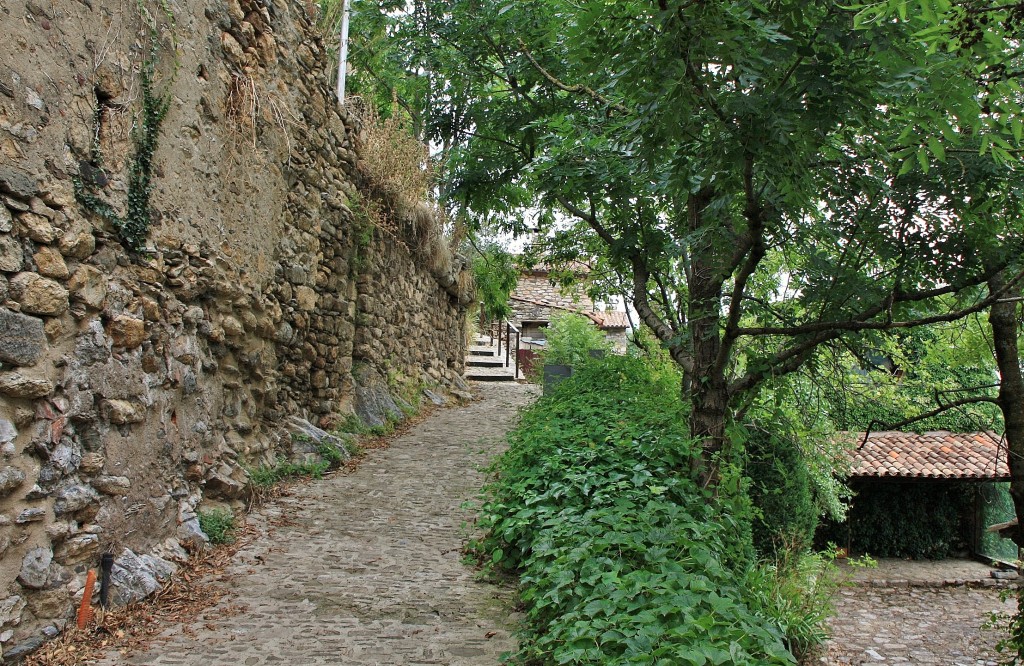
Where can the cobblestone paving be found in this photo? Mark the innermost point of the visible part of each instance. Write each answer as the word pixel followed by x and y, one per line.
pixel 366 568
pixel 914 625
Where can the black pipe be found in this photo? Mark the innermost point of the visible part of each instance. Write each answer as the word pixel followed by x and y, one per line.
pixel 106 564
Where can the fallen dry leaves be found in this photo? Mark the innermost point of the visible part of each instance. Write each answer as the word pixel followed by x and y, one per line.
pixel 128 629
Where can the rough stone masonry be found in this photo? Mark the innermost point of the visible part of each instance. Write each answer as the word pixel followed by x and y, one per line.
pixel 135 386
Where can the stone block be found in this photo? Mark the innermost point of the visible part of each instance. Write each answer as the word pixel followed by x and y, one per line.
pixel 50 604
pixel 77 549
pixel 8 432
pixel 33 515
pixel 127 331
pixel 121 412
pixel 11 479
pixel 39 295
pixel 39 572
pixel 37 227
pixel 16 385
pixel 23 649
pixel 232 327
pixel 51 264
pixel 11 256
pixel 112 485
pixel 22 338
pixel 75 499
pixel 88 285
pixel 220 483
pixel 136 577
pixel 306 298
pixel 77 243
pixel 10 611
pixel 17 183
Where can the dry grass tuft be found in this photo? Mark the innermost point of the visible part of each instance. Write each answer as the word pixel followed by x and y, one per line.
pixel 399 180
pixel 249 104
pixel 396 162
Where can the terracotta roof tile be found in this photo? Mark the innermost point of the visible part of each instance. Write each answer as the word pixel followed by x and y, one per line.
pixel 932 455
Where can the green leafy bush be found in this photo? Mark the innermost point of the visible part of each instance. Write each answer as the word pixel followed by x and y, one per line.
pixel 218 525
pixel 496 276
pixel 569 339
pixel 621 557
pixel 780 490
pixel 795 593
pixel 266 476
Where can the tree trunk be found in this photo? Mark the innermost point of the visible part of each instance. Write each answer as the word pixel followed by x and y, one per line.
pixel 1003 319
pixel 709 392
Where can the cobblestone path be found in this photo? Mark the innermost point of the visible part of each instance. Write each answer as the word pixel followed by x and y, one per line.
pixel 914 625
pixel 366 567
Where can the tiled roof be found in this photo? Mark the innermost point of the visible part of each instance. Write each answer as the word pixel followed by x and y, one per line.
pixel 612 320
pixel 931 455
pixel 609 319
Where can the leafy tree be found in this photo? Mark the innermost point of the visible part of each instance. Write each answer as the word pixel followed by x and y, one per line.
pixel 736 163
pixel 912 373
pixel 744 168
pixel 496 275
pixel 570 338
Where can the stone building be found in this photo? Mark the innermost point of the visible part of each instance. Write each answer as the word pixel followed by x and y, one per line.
pixel 536 298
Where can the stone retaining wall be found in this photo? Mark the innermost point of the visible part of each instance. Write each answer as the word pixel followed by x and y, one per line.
pixel 136 385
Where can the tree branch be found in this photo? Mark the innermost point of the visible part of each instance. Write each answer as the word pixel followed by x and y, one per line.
pixel 861 321
pixel 927 415
pixel 576 89
pixel 663 331
pixel 754 249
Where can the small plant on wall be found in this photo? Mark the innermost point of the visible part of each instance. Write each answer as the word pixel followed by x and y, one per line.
pixel 133 224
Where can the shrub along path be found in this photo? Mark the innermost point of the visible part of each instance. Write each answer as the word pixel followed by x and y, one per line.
pixel 365 568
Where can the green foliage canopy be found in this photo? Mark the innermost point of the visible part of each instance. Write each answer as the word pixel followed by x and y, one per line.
pixel 496 276
pixel 746 169
pixel 570 337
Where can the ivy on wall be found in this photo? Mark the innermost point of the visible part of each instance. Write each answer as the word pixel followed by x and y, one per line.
pixel 133 225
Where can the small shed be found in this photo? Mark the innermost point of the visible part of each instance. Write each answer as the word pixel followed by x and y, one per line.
pixel 927 495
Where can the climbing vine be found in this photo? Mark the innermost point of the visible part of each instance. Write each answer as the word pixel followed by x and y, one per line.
pixel 133 225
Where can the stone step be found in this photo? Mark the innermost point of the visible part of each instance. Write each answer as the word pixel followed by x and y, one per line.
pixel 490 378
pixel 484 362
pixel 491 374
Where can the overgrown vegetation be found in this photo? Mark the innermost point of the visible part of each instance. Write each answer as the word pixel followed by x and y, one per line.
pixel 786 513
pixel 398 197
pixel 495 275
pixel 569 339
pixel 911 373
pixel 250 102
pixel 1010 625
pixel 266 476
pixel 218 525
pixel 915 520
pixel 624 559
pixel 329 457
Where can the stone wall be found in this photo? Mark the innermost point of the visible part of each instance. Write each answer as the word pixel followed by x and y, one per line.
pixel 135 386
